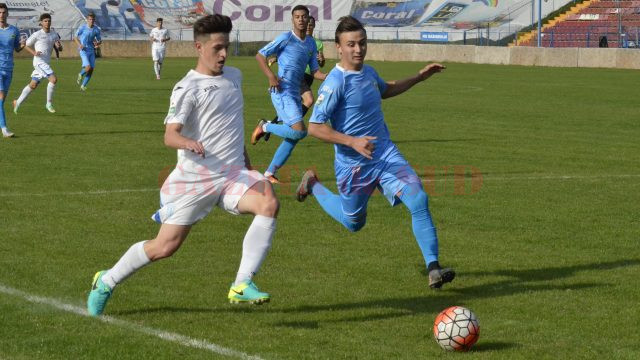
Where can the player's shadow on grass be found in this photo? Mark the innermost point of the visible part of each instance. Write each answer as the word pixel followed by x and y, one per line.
pixel 517 282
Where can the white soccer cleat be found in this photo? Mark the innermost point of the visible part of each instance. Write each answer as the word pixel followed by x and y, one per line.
pixel 83 88
pixel 7 134
pixel 50 108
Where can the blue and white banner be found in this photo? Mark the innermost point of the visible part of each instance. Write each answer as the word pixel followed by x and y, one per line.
pixel 434 36
pixel 262 20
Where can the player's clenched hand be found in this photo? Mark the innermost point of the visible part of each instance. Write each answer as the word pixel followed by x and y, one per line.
pixel 430 69
pixel 364 146
pixel 274 84
pixel 195 147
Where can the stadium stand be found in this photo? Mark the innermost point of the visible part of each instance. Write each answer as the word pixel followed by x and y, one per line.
pixel 594 23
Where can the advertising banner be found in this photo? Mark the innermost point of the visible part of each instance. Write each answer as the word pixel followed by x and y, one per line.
pixel 262 20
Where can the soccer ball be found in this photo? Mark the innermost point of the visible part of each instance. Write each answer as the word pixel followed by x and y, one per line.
pixel 456 329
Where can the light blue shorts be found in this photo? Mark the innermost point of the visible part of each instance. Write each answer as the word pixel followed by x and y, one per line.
pixel 88 58
pixel 389 175
pixel 5 80
pixel 288 106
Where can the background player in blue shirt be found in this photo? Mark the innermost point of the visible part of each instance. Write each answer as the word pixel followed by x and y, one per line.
pixel 366 158
pixel 294 50
pixel 88 39
pixel 9 41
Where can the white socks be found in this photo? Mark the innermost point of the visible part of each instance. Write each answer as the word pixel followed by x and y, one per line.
pixel 50 89
pixel 255 247
pixel 156 67
pixel 130 262
pixel 25 93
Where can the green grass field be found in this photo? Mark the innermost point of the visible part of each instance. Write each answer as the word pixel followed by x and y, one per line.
pixel 544 238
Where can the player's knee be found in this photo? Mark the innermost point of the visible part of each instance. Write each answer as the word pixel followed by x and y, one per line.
pixel 53 80
pixel 163 250
pixel 298 135
pixel 269 206
pixel 33 85
pixel 414 197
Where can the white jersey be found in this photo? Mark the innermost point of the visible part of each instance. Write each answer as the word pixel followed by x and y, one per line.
pixel 158 35
pixel 43 42
pixel 210 108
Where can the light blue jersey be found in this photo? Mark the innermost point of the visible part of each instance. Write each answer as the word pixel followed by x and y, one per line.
pixel 293 55
pixel 9 41
pixel 86 35
pixel 352 100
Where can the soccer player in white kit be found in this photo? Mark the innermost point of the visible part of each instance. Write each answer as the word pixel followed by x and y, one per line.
pixel 159 36
pixel 40 44
pixel 205 123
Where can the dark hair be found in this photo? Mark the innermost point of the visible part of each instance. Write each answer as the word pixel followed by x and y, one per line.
pixel 300 7
pixel 348 24
pixel 45 16
pixel 159 19
pixel 4 6
pixel 312 18
pixel 92 15
pixel 211 24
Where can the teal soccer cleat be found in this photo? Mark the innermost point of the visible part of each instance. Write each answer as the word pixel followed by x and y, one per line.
pixel 99 295
pixel 247 292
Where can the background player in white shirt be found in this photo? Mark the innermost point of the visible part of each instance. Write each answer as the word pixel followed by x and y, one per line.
pixel 40 44
pixel 205 123
pixel 159 36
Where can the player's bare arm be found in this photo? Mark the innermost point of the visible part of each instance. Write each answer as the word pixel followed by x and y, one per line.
pixel 319 75
pixel 397 87
pixel 321 59
pixel 32 51
pixel 363 145
pixel 80 47
pixel 174 139
pixel 274 84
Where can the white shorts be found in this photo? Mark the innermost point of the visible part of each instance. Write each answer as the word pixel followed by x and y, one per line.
pixel 41 71
pixel 186 197
pixel 157 54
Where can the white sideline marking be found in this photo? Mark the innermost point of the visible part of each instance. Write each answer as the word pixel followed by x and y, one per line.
pixel 164 335
pixel 443 178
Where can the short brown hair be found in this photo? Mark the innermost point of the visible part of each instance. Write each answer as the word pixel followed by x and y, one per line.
pixel 211 24
pixel 348 24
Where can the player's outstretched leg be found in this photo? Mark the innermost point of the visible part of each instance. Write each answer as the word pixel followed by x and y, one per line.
pixel 284 131
pixel 416 200
pixel 331 203
pixel 99 295
pixel 247 292
pixel 23 96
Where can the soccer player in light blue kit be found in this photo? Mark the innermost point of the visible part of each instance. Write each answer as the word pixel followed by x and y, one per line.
pixel 9 41
pixel 294 50
pixel 366 158
pixel 88 40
